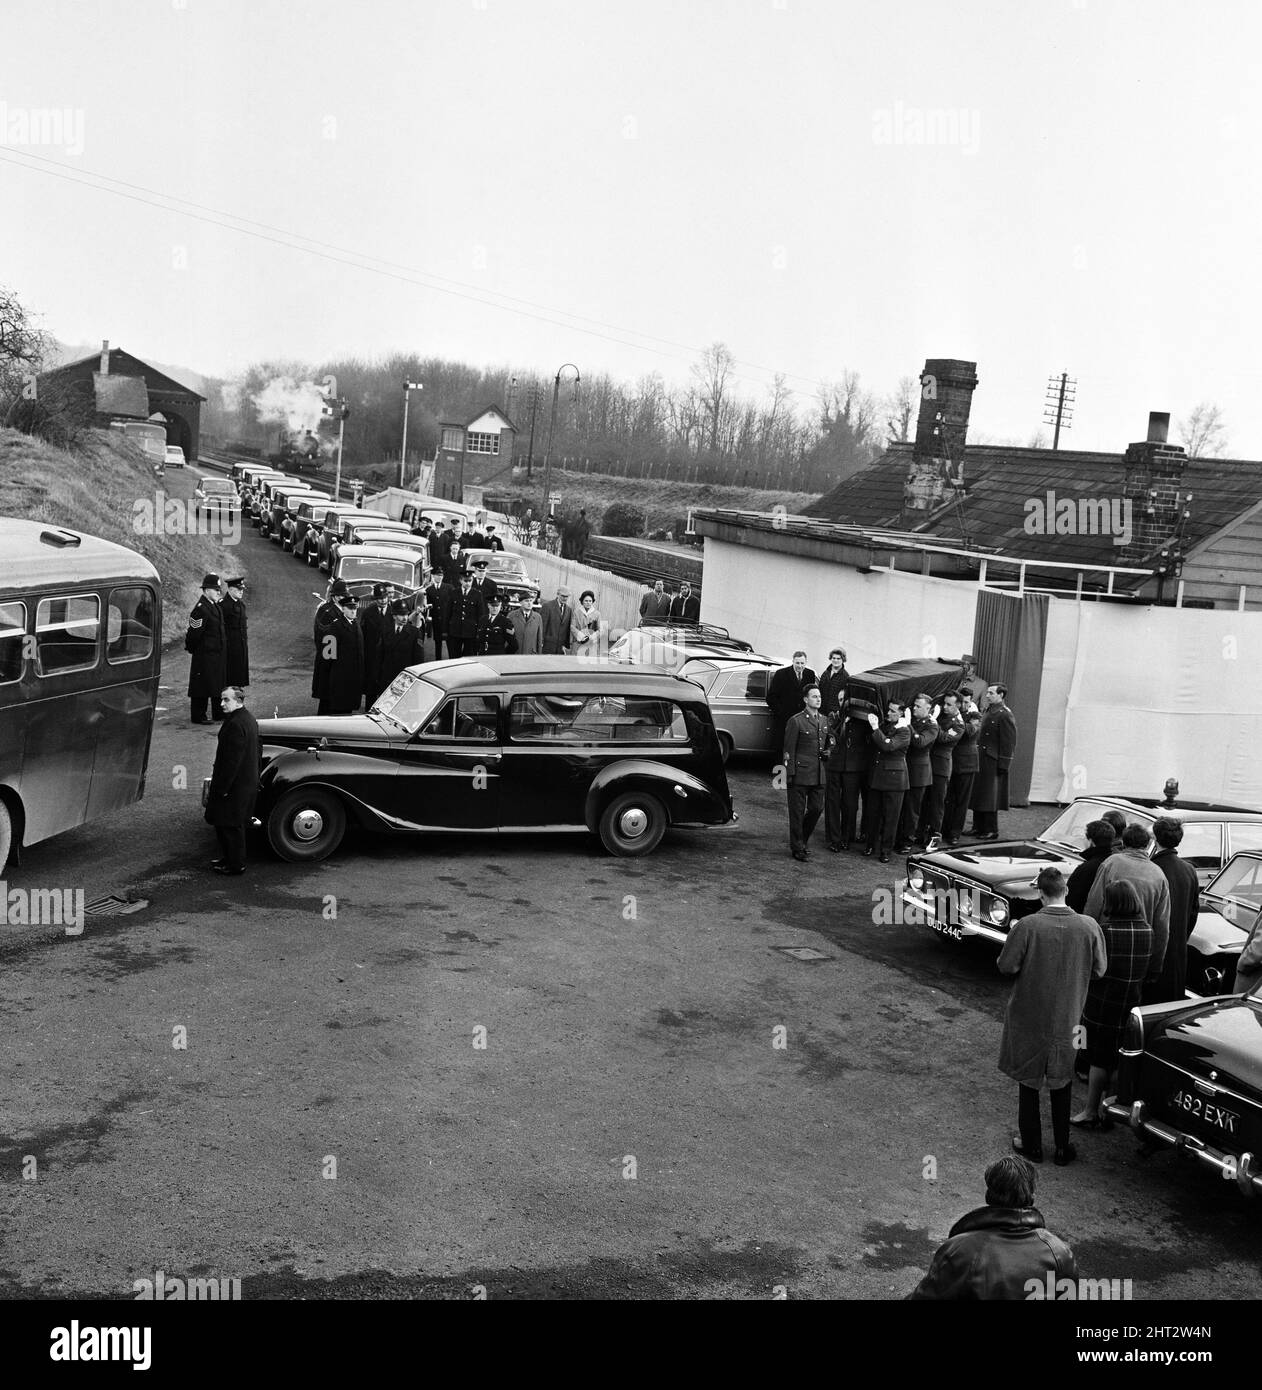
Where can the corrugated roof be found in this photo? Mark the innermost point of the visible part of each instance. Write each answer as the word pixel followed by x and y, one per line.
pixel 1001 480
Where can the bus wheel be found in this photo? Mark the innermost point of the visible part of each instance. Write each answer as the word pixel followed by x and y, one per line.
pixel 633 824
pixel 6 835
pixel 306 824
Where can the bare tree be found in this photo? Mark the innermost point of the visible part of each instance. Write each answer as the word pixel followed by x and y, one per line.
pixel 712 375
pixel 24 346
pixel 1203 434
pixel 901 406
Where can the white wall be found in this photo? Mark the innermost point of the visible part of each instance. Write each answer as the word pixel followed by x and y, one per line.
pixel 783 602
pixel 617 599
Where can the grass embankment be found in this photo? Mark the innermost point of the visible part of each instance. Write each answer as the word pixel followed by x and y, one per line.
pixel 665 502
pixel 95 489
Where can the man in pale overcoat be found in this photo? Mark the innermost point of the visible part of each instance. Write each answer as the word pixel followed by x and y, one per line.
pixel 1054 953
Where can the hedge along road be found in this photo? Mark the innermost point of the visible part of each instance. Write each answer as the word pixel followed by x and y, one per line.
pixel 429 1068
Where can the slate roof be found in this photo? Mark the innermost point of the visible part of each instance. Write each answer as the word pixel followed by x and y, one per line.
pixel 999 480
pixel 124 363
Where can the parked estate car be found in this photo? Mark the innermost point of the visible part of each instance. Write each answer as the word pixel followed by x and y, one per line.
pixel 507 570
pixel 299 518
pixel 499 744
pixel 285 502
pixel 216 495
pixel 1229 907
pixel 981 889
pixel 328 530
pixel 737 691
pixel 173 456
pixel 1190 1077
pixel 261 505
pixel 346 533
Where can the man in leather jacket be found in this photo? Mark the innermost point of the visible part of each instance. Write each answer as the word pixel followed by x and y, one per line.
pixel 1002 1250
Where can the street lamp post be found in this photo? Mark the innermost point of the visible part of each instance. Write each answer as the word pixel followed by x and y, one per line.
pixel 547 458
pixel 408 386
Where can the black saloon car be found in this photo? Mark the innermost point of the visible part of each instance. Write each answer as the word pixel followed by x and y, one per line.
pixel 1228 909
pixel 492 744
pixel 981 889
pixel 1191 1078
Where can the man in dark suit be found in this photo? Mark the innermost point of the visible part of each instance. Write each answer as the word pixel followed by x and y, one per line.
pixel 833 682
pixel 377 623
pixel 950 731
pixel 888 782
pixel 204 641
pixel 462 613
pixel 234 781
pixel 557 617
pixel 236 632
pixel 404 644
pixel 686 608
pixel 1185 904
pixel 493 541
pixel 924 734
pixel 996 743
pixel 807 738
pixel 786 695
pixel 655 603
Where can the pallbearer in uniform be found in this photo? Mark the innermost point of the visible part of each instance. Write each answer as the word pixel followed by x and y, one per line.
pixel 807 742
pixel 888 783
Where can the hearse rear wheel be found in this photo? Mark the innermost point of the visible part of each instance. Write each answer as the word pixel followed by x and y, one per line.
pixel 633 824
pixel 306 825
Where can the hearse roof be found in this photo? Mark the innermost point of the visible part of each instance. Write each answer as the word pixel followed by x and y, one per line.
pixel 563 673
pixel 38 553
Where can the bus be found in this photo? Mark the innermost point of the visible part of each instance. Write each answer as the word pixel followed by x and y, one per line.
pixel 80 655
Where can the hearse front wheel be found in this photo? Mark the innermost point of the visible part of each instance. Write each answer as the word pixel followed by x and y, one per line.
pixel 633 824
pixel 306 825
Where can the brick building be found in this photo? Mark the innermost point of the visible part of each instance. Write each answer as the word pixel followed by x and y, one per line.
pixel 473 453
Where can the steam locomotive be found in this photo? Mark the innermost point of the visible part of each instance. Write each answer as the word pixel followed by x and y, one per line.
pixel 296 450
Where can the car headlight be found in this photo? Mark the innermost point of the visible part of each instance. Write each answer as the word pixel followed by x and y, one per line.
pixel 916 877
pixel 998 911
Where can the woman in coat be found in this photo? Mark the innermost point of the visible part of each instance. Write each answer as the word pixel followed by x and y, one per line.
pixel 585 627
pixel 1128 940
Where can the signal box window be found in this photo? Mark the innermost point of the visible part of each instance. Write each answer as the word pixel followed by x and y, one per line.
pixel 66 632
pixel 484 443
pixel 130 633
pixel 12 634
pixel 453 439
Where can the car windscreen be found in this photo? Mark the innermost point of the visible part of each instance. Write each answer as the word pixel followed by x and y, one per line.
pixel 216 485
pixel 1069 829
pixel 408 700
pixel 401 571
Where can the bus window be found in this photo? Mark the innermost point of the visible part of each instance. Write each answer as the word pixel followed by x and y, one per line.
pixel 129 636
pixel 65 633
pixel 12 633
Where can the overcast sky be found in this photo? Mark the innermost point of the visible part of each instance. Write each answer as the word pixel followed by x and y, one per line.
pixel 1062 185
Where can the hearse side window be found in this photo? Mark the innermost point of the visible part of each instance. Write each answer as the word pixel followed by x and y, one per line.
pixel 595 719
pixel 66 631
pixel 12 633
pixel 129 636
pixel 466 717
pixel 1202 844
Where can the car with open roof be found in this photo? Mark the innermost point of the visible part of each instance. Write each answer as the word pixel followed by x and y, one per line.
pixel 496 745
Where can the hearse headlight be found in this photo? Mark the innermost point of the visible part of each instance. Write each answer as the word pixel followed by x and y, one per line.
pixel 1133 1034
pixel 916 877
pixel 997 911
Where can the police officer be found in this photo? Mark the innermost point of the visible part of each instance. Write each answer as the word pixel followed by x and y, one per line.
pixel 236 629
pixel 204 640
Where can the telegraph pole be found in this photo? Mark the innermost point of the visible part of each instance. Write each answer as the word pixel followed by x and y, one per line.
pixel 1058 406
pixel 532 399
pixel 547 458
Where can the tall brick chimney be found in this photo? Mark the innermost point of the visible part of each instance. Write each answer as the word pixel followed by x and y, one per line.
pixel 937 462
pixel 1152 484
pixel 105 357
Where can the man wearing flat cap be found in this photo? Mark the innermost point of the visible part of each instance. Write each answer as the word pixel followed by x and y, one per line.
pixel 204 640
pixel 236 631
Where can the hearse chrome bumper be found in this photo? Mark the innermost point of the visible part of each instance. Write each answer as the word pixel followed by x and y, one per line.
pixel 1246 1170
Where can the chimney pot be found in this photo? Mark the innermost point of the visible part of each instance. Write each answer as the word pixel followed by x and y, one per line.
pixel 1158 426
pixel 105 357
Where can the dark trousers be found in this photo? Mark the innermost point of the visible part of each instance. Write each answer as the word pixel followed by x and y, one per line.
pixel 959 794
pixel 841 806
pixel 882 810
pixel 232 843
pixel 1031 1125
pixel 806 805
pixel 932 809
pixel 198 705
pixel 985 822
pixel 911 814
pixel 456 643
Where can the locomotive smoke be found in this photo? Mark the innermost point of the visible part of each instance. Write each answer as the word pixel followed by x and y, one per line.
pixel 294 404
